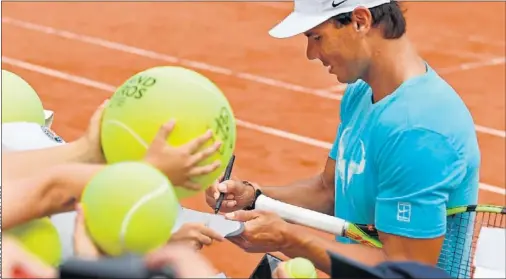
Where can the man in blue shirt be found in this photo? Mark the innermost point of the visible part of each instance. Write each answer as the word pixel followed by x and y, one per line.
pixel 405 150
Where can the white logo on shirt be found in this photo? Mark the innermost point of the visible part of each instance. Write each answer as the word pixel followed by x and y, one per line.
pixel 404 212
pixel 346 169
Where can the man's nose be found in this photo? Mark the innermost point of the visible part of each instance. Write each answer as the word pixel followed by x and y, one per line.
pixel 311 52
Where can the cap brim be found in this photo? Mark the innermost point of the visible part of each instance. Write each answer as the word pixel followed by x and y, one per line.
pixel 297 23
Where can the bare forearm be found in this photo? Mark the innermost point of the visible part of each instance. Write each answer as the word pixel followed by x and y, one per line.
pixel 67 183
pixel 52 192
pixel 33 162
pixel 315 249
pixel 311 193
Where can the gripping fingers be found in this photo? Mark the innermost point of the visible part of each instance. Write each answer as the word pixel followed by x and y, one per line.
pixel 195 144
pixel 204 169
pixel 204 154
pixel 230 204
pixel 206 231
pixel 165 130
pixel 205 240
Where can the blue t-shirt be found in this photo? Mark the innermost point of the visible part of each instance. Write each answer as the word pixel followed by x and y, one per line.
pixel 401 162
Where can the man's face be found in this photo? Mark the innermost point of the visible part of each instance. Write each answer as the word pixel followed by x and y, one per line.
pixel 341 48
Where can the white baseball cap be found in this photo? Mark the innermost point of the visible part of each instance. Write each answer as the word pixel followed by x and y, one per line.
pixel 308 14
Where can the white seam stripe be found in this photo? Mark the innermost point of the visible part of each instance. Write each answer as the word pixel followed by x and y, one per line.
pixel 129 130
pixel 142 201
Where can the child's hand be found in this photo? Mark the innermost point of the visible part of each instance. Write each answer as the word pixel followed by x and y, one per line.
pixel 196 235
pixel 180 164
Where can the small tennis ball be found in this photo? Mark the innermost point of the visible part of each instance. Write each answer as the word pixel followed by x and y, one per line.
pixel 300 268
pixel 41 238
pixel 20 102
pixel 129 207
pixel 151 98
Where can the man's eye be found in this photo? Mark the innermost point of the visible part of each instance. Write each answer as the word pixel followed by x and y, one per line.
pixel 316 38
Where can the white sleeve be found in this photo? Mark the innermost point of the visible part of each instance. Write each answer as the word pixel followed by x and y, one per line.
pixel 19 136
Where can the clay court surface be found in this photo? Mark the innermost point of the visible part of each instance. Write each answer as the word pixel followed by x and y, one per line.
pixel 75 54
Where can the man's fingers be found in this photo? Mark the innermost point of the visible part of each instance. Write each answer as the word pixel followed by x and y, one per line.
pixel 204 154
pixel 211 233
pixel 195 144
pixel 230 204
pixel 204 239
pixel 230 187
pixel 242 215
pixel 165 130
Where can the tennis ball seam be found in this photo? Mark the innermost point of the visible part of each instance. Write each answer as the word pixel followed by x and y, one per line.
pixel 164 187
pixel 130 131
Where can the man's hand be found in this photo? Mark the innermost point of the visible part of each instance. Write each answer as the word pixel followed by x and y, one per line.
pixel 195 235
pixel 264 231
pixel 238 195
pixel 181 164
pixel 19 263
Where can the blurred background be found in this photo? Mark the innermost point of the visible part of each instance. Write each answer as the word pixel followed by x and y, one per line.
pixel 76 53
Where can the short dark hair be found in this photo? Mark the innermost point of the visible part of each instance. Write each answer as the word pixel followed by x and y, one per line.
pixel 388 16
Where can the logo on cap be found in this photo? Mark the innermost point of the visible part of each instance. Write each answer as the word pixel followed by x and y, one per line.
pixel 51 135
pixel 337 4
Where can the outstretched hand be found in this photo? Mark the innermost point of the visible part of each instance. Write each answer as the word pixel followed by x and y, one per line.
pixel 181 164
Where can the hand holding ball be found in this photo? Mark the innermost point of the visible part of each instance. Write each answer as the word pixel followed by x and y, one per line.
pixel 150 99
pixel 129 207
pixel 41 238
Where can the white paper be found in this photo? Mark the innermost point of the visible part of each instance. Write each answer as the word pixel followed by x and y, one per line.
pixel 218 223
pixel 481 272
pixel 490 255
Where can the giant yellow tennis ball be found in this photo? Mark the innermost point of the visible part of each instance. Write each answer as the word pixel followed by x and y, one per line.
pixel 151 98
pixel 300 268
pixel 41 238
pixel 129 207
pixel 20 102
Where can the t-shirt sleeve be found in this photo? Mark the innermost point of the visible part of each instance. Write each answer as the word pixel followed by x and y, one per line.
pixel 417 171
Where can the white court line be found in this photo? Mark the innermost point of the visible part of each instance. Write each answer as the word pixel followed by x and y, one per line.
pixel 240 123
pixel 195 64
pixel 168 58
pixel 473 65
